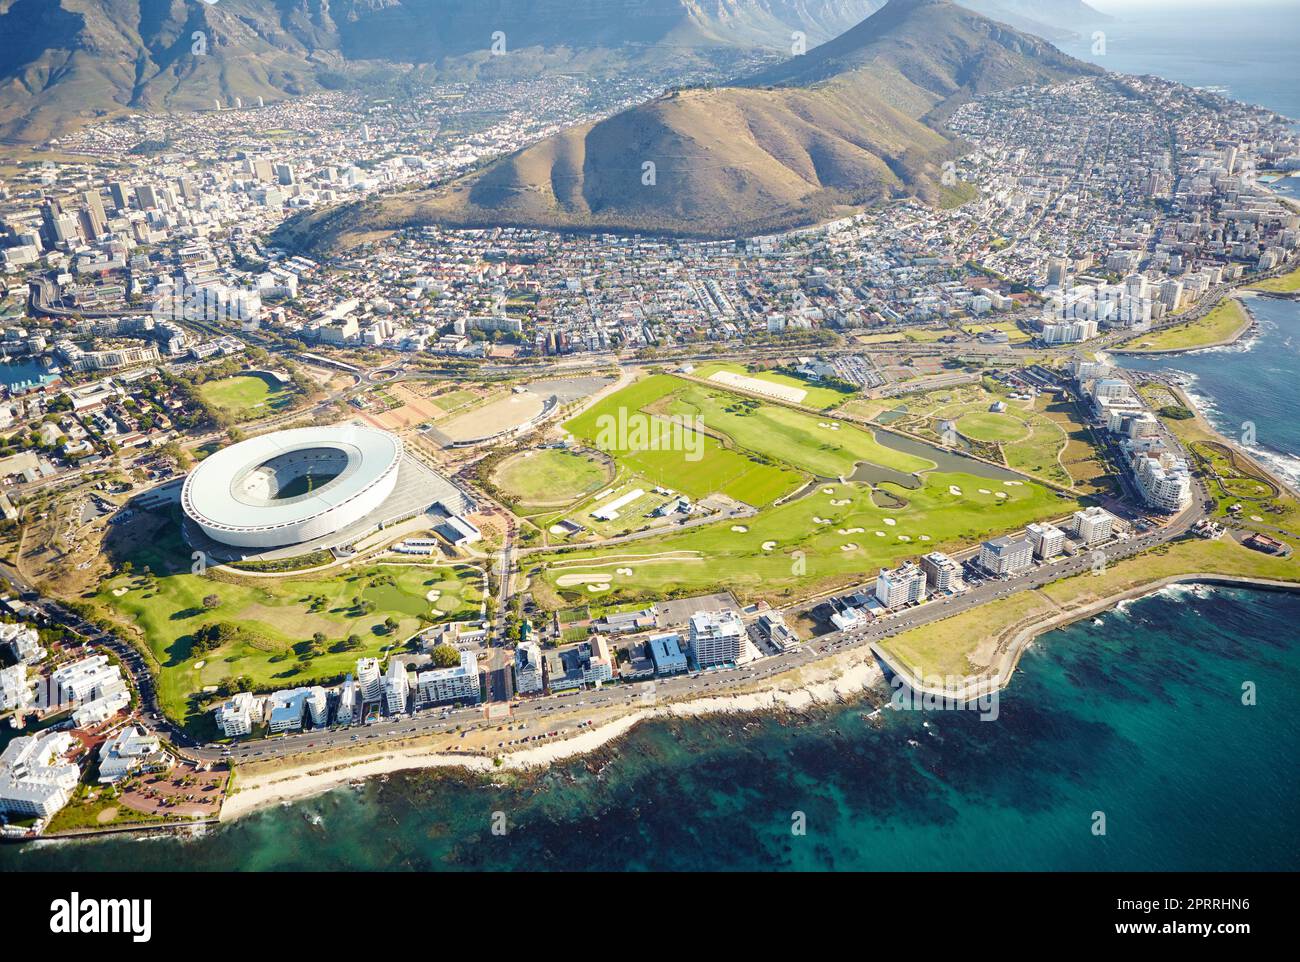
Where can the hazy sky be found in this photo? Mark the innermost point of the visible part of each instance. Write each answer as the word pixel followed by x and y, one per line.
pixel 1120 6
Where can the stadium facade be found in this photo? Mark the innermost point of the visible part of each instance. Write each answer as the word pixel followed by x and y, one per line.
pixel 290 487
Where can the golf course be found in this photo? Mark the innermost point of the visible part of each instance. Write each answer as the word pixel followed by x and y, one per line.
pixel 838 532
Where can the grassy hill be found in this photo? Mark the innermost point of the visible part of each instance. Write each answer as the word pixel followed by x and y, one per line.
pixel 854 121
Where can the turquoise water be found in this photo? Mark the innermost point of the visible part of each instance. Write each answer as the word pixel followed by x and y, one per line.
pixel 1138 716
pixel 1253 382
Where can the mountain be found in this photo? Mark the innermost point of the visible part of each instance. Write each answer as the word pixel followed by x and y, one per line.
pixel 1052 19
pixel 63 62
pixel 856 120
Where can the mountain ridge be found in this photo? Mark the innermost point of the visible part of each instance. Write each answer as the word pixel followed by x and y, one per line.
pixel 855 121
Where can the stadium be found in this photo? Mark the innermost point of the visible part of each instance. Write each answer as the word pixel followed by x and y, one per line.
pixel 292 487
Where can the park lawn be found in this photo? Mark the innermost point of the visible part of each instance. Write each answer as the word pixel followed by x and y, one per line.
pixel 816 396
pixel 277 618
pixel 551 475
pixel 246 395
pixel 824 446
pixel 1029 439
pixel 964 643
pixel 987 426
pixel 675 465
pixel 1285 284
pixel 814 544
pixel 1220 324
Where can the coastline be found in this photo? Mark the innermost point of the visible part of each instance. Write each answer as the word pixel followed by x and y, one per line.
pixel 1246 327
pixel 837 678
pixel 833 679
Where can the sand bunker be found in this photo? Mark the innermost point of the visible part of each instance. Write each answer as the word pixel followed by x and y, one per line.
pixel 923 537
pixel 828 490
pixel 1001 494
pixel 568 581
pixel 119 592
pixel 840 502
pixel 739 528
pixel 769 545
pixel 817 520
pixel 199 664
pixel 985 491
pixel 889 521
pixel 954 490
pixel 432 595
pixel 880 534
pixel 851 530
pixel 625 572
pixel 604 587
pixel 849 547
pixel 1013 484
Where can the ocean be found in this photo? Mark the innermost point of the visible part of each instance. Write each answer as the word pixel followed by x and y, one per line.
pixel 1137 715
pixel 1253 383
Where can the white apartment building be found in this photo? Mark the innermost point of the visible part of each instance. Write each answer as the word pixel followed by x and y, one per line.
pixel 1163 478
pixel 397 687
pixel 15 689
pixel 942 573
pixel 369 680
pixel 1093 525
pixel 717 638
pixel 346 712
pixel 1048 540
pixel 528 668
pixel 458 683
pixel 236 715
pixel 903 585
pixel 36 779
pixel 23 640
pixel 1006 556
pixel 289 709
pixel 129 751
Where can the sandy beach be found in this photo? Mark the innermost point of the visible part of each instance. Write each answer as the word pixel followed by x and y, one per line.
pixel 830 680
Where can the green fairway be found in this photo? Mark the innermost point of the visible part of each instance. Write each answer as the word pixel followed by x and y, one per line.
pixel 748 442
pixel 276 619
pixel 823 539
pixel 552 476
pixel 677 456
pixel 247 395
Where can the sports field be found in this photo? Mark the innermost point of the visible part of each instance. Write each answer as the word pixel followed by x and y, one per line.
pixel 274 620
pixel 552 476
pixel 247 395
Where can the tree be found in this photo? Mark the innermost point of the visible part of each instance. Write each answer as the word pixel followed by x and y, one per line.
pixel 319 637
pixel 211 601
pixel 390 623
pixel 445 656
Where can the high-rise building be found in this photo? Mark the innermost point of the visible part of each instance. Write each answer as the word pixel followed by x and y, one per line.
pixel 1006 556
pixel 901 586
pixel 397 687
pixel 1048 540
pixel 369 681
pixel 117 191
pixel 436 686
pixel 528 668
pixel 716 638
pixel 1093 524
pixel 942 573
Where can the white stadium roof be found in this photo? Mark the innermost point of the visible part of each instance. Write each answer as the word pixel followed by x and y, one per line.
pixel 234 494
